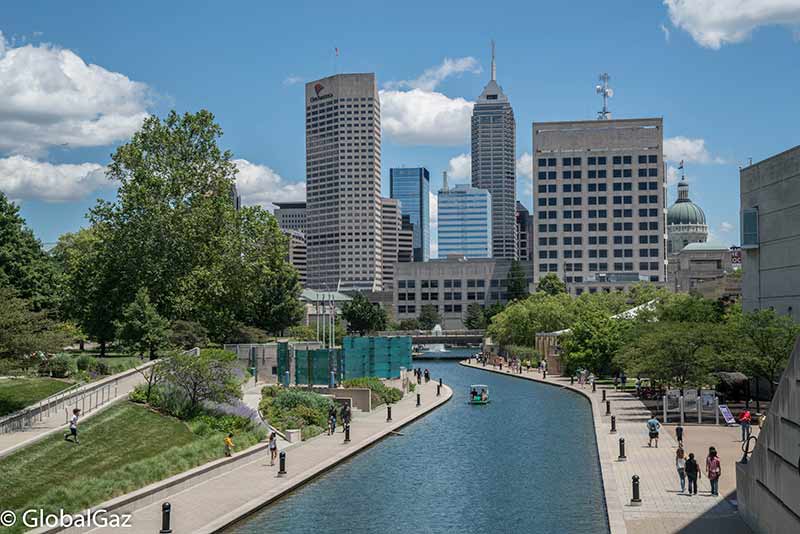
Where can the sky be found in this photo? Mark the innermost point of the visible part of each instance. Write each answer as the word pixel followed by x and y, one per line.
pixel 78 78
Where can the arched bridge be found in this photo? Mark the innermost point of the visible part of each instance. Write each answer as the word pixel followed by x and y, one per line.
pixel 448 337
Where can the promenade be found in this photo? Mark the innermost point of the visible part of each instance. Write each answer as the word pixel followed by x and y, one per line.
pixel 242 487
pixel 664 510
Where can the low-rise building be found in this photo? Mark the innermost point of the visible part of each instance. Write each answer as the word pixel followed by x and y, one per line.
pixel 451 285
pixel 297 253
pixel 291 215
pixel 696 263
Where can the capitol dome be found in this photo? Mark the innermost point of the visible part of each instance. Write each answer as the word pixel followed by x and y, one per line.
pixel 684 211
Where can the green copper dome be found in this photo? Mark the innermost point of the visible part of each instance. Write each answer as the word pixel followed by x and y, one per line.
pixel 684 211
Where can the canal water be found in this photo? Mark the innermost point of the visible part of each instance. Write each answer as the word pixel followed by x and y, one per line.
pixel 525 463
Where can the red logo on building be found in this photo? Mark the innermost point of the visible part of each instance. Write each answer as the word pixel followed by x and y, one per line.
pixel 318 88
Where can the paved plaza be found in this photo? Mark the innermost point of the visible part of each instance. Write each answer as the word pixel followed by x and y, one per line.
pixel 664 510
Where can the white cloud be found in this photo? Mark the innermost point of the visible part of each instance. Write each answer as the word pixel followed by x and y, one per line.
pixel 434 224
pixel 525 174
pixel 432 77
pixel 260 185
pixel 292 80
pixel 712 23
pixel 420 117
pixel 50 96
pixel 459 168
pixel 423 116
pixel 672 175
pixel 24 178
pixel 665 31
pixel 725 227
pixel 681 148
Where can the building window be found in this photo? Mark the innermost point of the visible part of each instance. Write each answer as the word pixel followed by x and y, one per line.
pixel 750 228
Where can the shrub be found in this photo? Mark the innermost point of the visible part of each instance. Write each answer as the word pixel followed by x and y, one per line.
pixel 99 367
pixel 84 362
pixel 248 334
pixel 188 334
pixel 294 408
pixel 207 424
pixel 412 386
pixel 311 431
pixel 381 393
pixel 59 366
pixel 270 391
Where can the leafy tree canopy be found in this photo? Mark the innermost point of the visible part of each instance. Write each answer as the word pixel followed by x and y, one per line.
pixel 362 316
pixel 551 284
pixel 517 282
pixel 429 317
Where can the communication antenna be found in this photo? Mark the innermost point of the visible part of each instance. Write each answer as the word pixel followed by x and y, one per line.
pixel 606 92
pixel 494 67
pixel 444 181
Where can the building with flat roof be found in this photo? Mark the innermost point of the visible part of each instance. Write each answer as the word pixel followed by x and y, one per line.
pixel 412 186
pixel 451 284
pixel 405 240
pixel 291 215
pixel 494 162
pixel 698 263
pixel 391 225
pixel 343 183
pixel 770 204
pixel 599 201
pixel 298 253
pixel 524 232
pixel 465 222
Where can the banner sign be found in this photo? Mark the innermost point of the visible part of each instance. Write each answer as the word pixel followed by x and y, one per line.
pixel 726 413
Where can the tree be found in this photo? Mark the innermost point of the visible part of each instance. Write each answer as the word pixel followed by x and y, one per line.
pixel 24 266
pixel 362 316
pixel 429 317
pixel 408 324
pixel 551 284
pixel 209 376
pixel 520 321
pixel 188 334
pixel 593 341
pixel 141 328
pixel 680 354
pixel 517 282
pixel 24 331
pixel 768 340
pixel 681 307
pixel 475 318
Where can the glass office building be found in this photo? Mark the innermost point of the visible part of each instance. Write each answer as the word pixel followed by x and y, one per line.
pixel 412 188
pixel 465 222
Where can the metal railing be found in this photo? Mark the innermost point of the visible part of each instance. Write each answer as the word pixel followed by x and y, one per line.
pixel 427 333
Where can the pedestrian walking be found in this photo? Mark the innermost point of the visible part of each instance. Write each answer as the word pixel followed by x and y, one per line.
pixel 680 465
pixel 347 414
pixel 228 444
pixel 692 473
pixel 273 447
pixel 332 420
pixel 679 435
pixel 623 380
pixel 638 385
pixel 713 470
pixel 745 420
pixel 73 427
pixel 653 426
pixel 427 376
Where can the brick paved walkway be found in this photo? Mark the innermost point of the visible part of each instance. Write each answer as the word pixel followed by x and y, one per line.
pixel 663 510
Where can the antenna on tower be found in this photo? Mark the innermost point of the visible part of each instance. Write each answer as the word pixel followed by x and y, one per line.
pixel 444 182
pixel 494 67
pixel 606 92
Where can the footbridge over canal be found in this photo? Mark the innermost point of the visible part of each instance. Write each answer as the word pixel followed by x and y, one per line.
pixel 447 337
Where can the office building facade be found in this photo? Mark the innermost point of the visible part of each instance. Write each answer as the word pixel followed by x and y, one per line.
pixel 524 232
pixel 298 254
pixel 465 222
pixel 343 183
pixel 599 202
pixel 494 163
pixel 770 204
pixel 411 186
pixel 391 225
pixel 291 215
pixel 405 241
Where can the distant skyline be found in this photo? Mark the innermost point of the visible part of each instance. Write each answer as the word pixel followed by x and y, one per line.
pixel 78 79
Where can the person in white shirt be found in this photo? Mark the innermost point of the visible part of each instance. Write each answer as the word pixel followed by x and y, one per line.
pixel 73 426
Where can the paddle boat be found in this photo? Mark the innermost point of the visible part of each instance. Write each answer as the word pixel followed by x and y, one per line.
pixel 478 394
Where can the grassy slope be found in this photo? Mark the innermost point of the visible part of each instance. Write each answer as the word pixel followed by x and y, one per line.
pixel 18 393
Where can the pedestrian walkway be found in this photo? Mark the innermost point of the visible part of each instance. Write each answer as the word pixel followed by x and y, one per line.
pixel 244 486
pixel 663 509
pixel 58 417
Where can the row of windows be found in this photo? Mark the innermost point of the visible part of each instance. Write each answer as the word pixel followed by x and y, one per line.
pixel 598 227
pixel 450 283
pixel 594 214
pixel 616 173
pixel 577 188
pixel 599 267
pixel 599 160
pixel 598 253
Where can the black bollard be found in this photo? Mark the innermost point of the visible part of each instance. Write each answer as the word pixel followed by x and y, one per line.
pixel 282 463
pixel 636 500
pixel 604 395
pixel 417 399
pixel 622 456
pixel 544 374
pixel 571 380
pixel 608 407
pixel 613 424
pixel 388 412
pixel 439 390
pixel 440 382
pixel 594 387
pixel 166 517
pixel 347 433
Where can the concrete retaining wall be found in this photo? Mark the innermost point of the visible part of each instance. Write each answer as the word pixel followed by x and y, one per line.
pixel 361 397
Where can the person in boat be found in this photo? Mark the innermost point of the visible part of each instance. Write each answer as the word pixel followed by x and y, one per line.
pixel 473 394
pixel 483 394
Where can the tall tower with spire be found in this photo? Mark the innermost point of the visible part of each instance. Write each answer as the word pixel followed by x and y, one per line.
pixel 494 164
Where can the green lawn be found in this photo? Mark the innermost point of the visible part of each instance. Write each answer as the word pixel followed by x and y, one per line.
pixel 17 393
pixel 125 447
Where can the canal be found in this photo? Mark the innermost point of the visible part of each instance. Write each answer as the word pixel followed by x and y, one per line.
pixel 527 462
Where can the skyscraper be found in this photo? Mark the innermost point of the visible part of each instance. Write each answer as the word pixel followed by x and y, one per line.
pixel 494 164
pixel 343 183
pixel 524 232
pixel 412 188
pixel 291 215
pixel 465 222
pixel 599 199
pixel 391 222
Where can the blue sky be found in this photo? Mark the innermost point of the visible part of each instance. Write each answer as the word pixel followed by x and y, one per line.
pixel 77 78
